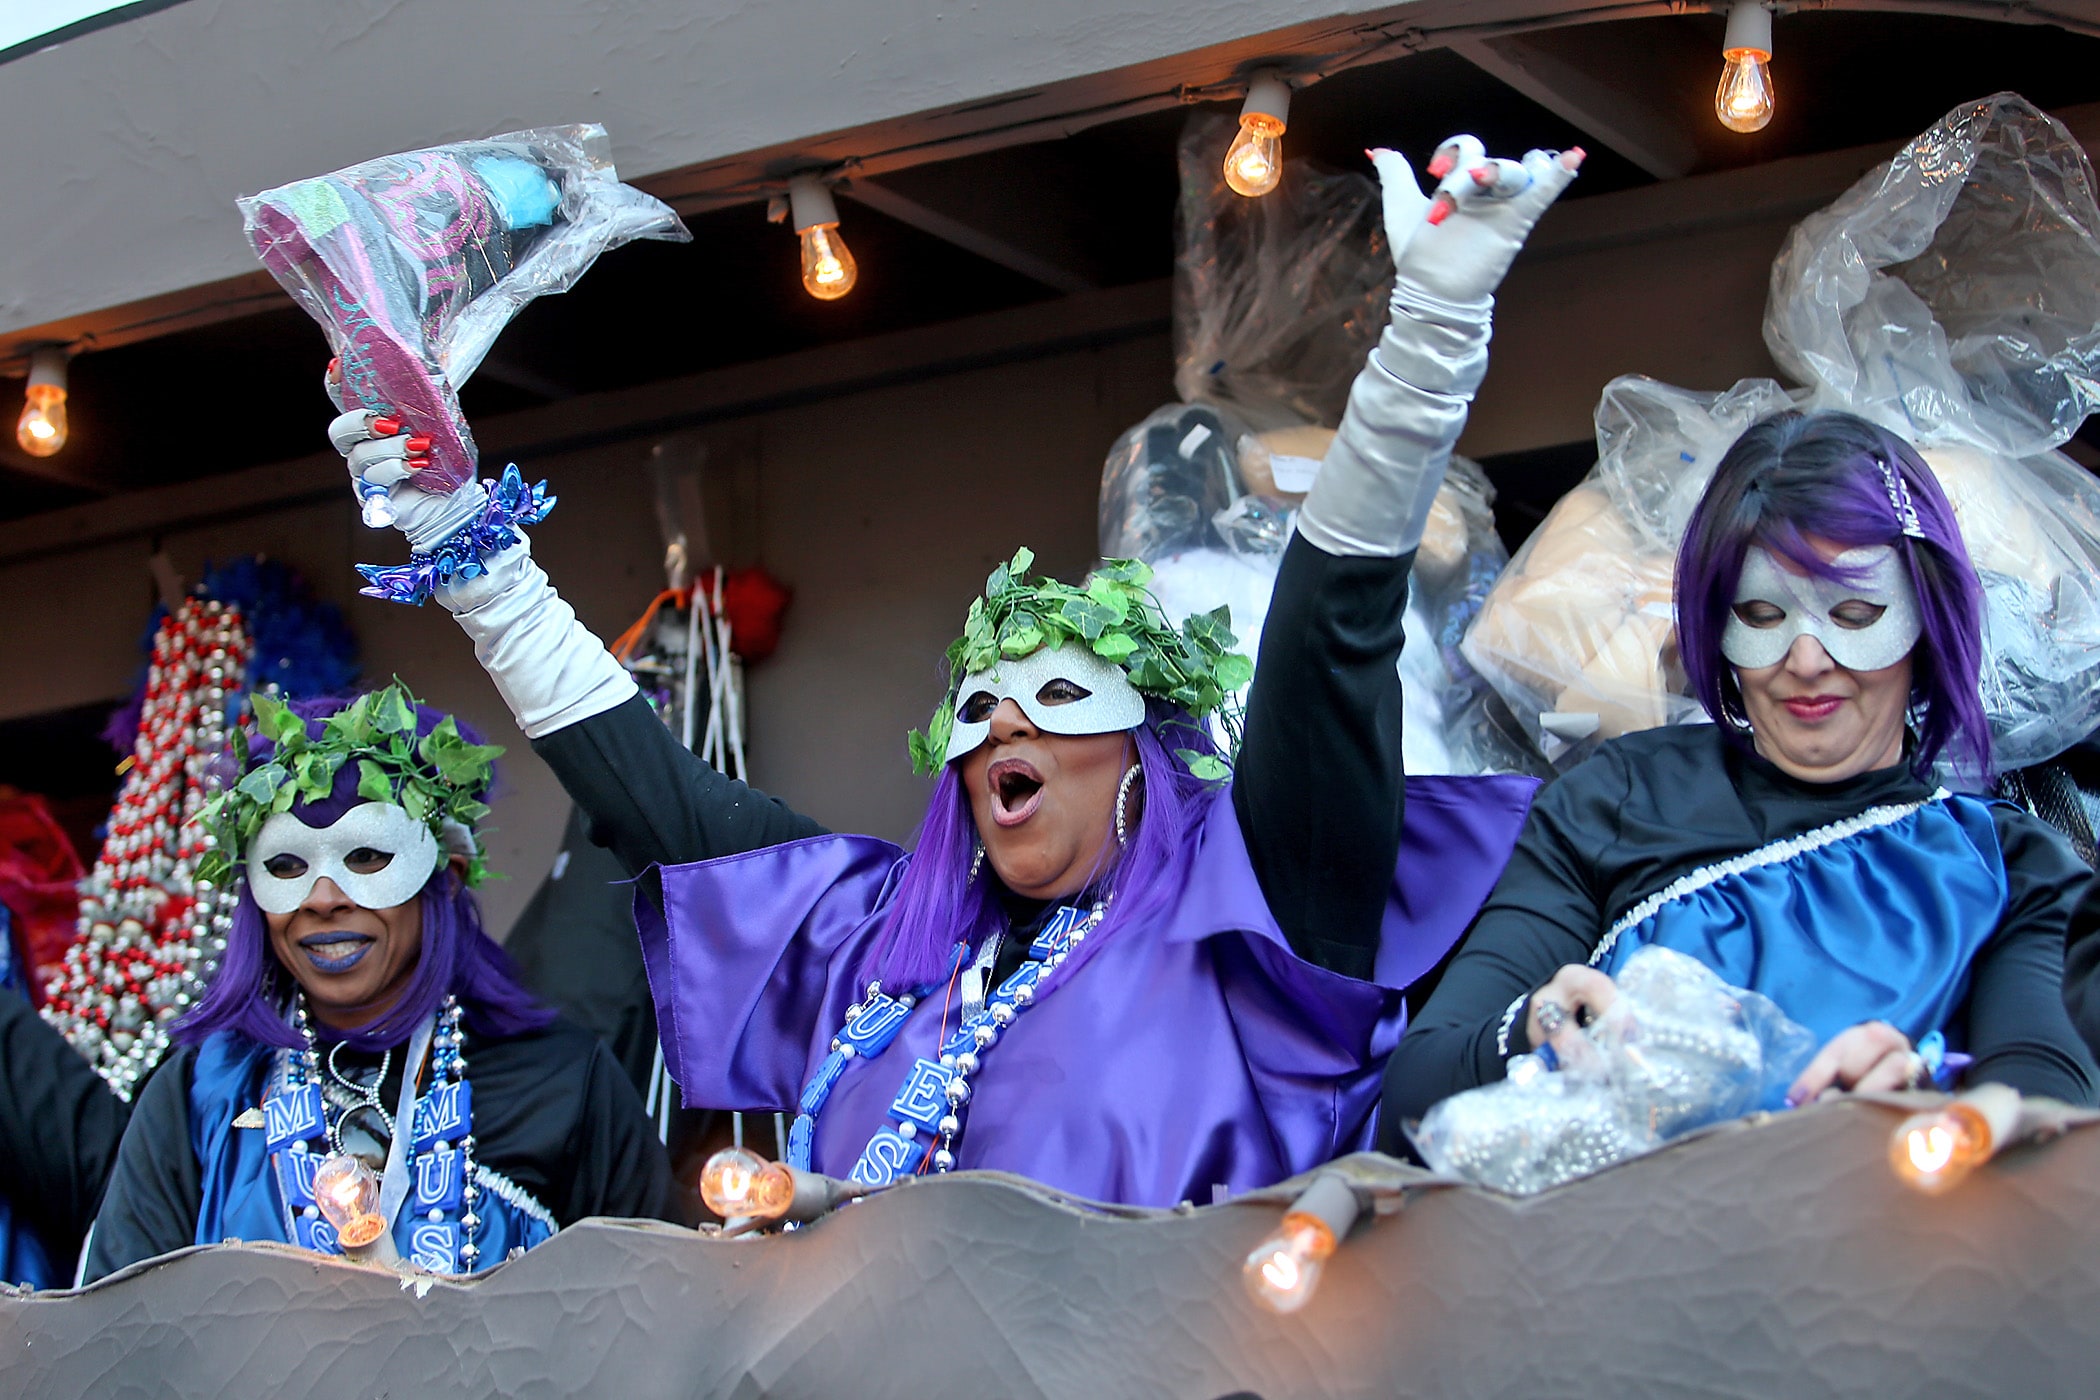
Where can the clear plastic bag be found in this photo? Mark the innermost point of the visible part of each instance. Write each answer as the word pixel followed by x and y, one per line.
pixel 1678 1049
pixel 1952 295
pixel 413 263
pixel 1578 636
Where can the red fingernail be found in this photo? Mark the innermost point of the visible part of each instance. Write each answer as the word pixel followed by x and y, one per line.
pixel 417 464
pixel 1440 164
pixel 335 366
pixel 1577 155
pixel 385 427
pixel 1485 175
pixel 418 446
pixel 1441 208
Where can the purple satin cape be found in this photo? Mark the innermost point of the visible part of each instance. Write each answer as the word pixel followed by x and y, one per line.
pixel 1176 1059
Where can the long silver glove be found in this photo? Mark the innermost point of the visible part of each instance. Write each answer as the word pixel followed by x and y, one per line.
pixel 1408 405
pixel 549 668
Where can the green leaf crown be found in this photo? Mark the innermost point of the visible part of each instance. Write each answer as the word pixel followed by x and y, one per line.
pixel 437 777
pixel 1116 616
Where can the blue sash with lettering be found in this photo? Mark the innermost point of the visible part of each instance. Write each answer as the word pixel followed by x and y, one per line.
pixel 243 1199
pixel 1875 918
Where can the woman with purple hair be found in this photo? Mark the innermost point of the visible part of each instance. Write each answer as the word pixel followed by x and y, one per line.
pixel 1829 620
pixel 1104 966
pixel 334 1041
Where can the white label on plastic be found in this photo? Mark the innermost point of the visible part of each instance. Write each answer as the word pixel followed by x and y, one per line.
pixel 561 866
pixel 1193 443
pixel 1294 474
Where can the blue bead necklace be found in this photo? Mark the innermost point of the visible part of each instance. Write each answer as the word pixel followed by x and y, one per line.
pixel 443 1189
pixel 928 1111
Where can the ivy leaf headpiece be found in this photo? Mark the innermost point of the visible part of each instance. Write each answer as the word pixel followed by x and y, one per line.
pixel 1115 615
pixel 438 778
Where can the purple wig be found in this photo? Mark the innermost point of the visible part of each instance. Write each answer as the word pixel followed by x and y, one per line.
pixel 939 905
pixel 1796 476
pixel 250 994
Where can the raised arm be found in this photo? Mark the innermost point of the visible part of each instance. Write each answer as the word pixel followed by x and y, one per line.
pixel 647 798
pixel 59 1129
pixel 1319 788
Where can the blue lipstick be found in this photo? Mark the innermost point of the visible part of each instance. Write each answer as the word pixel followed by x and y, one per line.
pixel 346 950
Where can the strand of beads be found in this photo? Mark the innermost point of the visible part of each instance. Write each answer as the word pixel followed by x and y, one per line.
pixel 449 1062
pixel 149 932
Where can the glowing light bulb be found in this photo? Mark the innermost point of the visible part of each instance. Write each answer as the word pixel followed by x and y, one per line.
pixel 1744 100
pixel 1933 1152
pixel 738 1184
pixel 1254 161
pixel 1254 164
pixel 348 1194
pixel 42 429
pixel 828 269
pixel 1284 1269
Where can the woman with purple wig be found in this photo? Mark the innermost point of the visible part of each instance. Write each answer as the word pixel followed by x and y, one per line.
pixel 1104 966
pixel 335 1039
pixel 1830 622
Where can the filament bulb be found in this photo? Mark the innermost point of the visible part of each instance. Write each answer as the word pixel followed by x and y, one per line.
pixel 1744 101
pixel 348 1194
pixel 1254 164
pixel 828 269
pixel 41 430
pixel 1933 1152
pixel 738 1184
pixel 1284 1269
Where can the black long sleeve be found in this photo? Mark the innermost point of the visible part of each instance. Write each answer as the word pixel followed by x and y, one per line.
pixel 1318 787
pixel 59 1129
pixel 1653 807
pixel 155 1191
pixel 651 801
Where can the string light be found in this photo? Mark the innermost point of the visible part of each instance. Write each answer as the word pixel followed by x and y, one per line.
pixel 828 269
pixel 749 1192
pixel 1254 162
pixel 1284 1270
pixel 41 430
pixel 348 1194
pixel 1744 99
pixel 1934 1151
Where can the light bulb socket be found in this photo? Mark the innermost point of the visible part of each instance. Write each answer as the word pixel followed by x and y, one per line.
pixel 810 204
pixel 1749 30
pixel 1268 96
pixel 47 366
pixel 1332 1201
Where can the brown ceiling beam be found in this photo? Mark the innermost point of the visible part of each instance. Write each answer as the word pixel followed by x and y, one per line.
pixel 968 236
pixel 1618 116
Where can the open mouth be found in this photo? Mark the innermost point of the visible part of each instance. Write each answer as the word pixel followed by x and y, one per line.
pixel 336 950
pixel 1017 790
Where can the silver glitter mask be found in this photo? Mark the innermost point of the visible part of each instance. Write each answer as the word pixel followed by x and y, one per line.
pixel 1808 602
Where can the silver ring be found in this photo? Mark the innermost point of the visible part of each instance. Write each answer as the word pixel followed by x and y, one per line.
pixel 1552 1016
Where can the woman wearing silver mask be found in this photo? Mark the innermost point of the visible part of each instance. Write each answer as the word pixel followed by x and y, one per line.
pixel 1102 966
pixel 364 1070
pixel 1829 620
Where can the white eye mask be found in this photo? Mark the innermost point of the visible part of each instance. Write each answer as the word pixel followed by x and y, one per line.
pixel 1112 703
pixel 1808 602
pixel 380 826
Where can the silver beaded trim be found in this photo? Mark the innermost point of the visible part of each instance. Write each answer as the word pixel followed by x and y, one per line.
pixel 1776 853
pixel 515 1194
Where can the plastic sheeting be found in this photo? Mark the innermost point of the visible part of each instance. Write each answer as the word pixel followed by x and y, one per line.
pixel 1770 1258
pixel 413 263
pixel 1276 303
pixel 1952 295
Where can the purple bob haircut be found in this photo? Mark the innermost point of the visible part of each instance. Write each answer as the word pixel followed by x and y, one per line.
pixel 938 904
pixel 250 994
pixel 1798 475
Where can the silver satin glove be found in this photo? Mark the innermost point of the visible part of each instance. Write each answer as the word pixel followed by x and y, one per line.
pixel 549 668
pixel 1408 406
